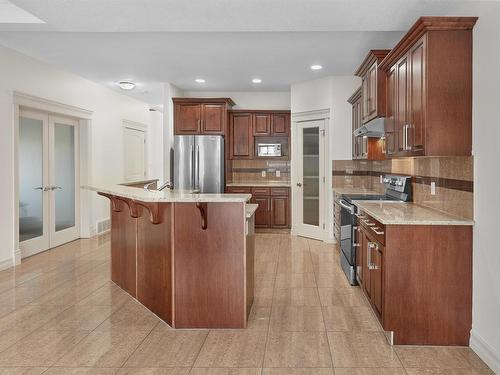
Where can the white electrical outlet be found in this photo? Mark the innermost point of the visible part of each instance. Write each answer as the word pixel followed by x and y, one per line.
pixel 263 173
pixel 381 179
pixel 278 173
pixel 433 188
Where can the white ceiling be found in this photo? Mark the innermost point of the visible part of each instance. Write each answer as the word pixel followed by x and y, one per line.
pixel 227 42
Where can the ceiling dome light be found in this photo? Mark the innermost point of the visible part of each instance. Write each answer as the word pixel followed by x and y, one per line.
pixel 126 85
pixel 256 80
pixel 199 80
pixel 316 67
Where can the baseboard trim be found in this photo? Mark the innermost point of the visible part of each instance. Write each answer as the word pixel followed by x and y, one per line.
pixel 6 264
pixel 17 257
pixel 485 352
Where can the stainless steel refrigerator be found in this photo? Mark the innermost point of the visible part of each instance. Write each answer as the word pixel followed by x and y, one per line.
pixel 199 163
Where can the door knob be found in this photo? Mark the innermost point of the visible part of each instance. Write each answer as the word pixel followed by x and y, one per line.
pixel 299 184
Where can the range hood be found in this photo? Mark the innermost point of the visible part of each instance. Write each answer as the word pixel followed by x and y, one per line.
pixel 373 129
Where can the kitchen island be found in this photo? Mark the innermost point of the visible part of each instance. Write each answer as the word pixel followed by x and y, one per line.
pixel 187 257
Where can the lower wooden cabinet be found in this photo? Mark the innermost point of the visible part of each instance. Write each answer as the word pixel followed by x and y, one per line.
pixel 274 205
pixel 418 280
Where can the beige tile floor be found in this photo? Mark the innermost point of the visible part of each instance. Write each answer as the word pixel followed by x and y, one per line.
pixel 61 314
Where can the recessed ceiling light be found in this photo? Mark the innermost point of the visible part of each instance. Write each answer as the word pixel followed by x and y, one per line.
pixel 256 80
pixel 316 67
pixel 126 85
pixel 199 80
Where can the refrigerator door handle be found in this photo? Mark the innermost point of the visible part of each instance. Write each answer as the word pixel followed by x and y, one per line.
pixel 197 168
pixel 191 151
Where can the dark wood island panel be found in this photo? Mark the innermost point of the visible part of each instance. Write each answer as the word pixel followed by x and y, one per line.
pixel 189 263
pixel 210 287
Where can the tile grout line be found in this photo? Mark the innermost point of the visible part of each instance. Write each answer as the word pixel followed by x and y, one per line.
pixel 138 346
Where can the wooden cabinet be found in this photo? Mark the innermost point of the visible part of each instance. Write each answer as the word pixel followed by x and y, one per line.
pixel 419 303
pixel 362 147
pixel 280 124
pixel 429 89
pixel 247 127
pixel 201 115
pixel 373 85
pixel 241 135
pixel 274 205
pixel 261 124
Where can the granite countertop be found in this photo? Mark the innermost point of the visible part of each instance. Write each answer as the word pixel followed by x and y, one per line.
pixel 166 195
pixel 354 190
pixel 250 209
pixel 259 184
pixel 394 213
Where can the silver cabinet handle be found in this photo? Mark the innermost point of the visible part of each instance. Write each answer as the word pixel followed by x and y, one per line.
pixel 368 222
pixel 359 216
pixel 376 231
pixel 374 266
pixel 369 255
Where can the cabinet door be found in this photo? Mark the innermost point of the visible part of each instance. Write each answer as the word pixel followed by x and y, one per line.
pixel 391 135
pixel 262 214
pixel 372 92
pixel 417 96
pixel 376 277
pixel 280 124
pixel 241 136
pixel 402 102
pixel 213 118
pixel 187 118
pixel 358 239
pixel 365 93
pixel 366 248
pixel 279 212
pixel 261 124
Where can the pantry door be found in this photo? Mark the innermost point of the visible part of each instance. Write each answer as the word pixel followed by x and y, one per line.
pixel 48 181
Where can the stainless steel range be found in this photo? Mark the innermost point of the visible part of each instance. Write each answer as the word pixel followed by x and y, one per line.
pixel 397 189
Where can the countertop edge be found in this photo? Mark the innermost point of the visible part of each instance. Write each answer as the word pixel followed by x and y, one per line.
pixel 452 221
pixel 250 209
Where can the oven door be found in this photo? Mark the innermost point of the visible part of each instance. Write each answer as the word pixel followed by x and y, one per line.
pixel 347 217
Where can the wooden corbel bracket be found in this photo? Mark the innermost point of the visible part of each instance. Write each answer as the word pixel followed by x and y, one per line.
pixel 203 212
pixel 115 205
pixel 154 210
pixel 134 212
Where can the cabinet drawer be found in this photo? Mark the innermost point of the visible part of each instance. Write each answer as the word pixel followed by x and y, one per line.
pixel 260 191
pixel 279 191
pixel 374 228
pixel 238 190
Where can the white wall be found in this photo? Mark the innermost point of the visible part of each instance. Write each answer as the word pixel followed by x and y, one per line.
pixel 169 91
pixel 329 93
pixel 248 99
pixel 155 149
pixel 26 75
pixel 485 339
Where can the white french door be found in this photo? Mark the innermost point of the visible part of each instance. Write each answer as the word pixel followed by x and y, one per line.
pixel 310 180
pixel 48 181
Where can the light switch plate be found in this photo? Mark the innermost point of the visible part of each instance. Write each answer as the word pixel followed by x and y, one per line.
pixel 263 173
pixel 278 173
pixel 433 188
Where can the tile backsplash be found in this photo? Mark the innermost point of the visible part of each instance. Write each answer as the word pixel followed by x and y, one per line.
pixel 251 170
pixel 452 175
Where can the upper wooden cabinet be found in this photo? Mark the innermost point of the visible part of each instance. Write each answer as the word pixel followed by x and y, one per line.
pixel 241 135
pixel 429 89
pixel 363 147
pixel 372 85
pixel 201 115
pixel 248 127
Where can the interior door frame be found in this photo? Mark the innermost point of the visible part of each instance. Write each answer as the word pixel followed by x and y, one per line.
pixel 321 232
pixel 84 117
pixel 127 124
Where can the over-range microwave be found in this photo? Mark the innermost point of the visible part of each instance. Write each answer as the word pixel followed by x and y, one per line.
pixel 269 149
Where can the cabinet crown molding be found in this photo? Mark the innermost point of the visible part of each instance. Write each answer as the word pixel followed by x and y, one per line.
pixel 423 25
pixel 374 55
pixel 228 101
pixel 355 97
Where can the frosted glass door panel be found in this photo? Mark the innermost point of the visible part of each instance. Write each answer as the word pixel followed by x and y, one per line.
pixel 311 167
pixel 31 182
pixel 64 170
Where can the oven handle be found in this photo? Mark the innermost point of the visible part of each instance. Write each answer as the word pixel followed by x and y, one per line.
pixel 348 208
